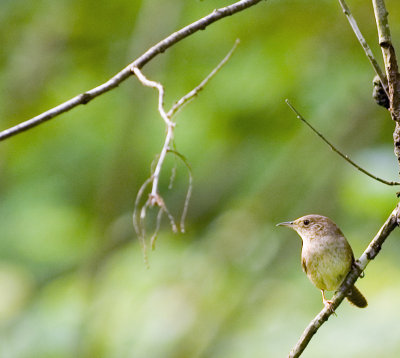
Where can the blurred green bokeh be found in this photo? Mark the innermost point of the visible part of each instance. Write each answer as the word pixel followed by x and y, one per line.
pixel 72 278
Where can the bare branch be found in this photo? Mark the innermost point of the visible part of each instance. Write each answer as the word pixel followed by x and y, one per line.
pixel 344 156
pixel 391 67
pixel 369 254
pixel 121 76
pixel 155 199
pixel 364 45
pixel 389 57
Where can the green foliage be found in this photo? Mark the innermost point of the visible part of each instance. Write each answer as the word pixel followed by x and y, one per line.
pixel 72 279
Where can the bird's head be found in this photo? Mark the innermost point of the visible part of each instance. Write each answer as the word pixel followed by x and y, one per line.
pixel 312 226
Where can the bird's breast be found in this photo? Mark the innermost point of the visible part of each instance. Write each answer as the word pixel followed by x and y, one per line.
pixel 326 261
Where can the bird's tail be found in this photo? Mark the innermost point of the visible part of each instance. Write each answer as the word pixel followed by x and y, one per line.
pixel 356 297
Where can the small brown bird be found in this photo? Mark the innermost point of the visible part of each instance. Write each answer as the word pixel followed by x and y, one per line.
pixel 326 256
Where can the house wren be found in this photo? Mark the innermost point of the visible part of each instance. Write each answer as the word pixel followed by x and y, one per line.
pixel 326 256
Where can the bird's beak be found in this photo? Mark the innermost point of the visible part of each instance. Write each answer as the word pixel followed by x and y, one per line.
pixel 286 223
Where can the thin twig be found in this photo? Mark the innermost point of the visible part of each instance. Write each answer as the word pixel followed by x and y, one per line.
pixel 141 218
pixel 172 177
pixel 364 44
pixel 121 76
pixel 156 231
pixel 344 156
pixel 171 219
pixel 188 97
pixel 189 191
pixel 135 218
pixel 369 254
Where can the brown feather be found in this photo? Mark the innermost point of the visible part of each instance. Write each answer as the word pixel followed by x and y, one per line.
pixel 304 264
pixel 356 297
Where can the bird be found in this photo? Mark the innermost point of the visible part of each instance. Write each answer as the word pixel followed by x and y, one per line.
pixel 326 255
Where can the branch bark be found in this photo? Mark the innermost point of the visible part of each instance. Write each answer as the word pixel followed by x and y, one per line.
pixel 369 254
pixel 391 67
pixel 113 82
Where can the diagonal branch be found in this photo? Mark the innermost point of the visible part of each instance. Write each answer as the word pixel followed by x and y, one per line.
pixel 369 254
pixel 121 76
pixel 344 156
pixel 364 45
pixel 195 91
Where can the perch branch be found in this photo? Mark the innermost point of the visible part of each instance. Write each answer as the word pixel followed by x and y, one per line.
pixel 364 45
pixel 113 82
pixel 344 156
pixel 369 254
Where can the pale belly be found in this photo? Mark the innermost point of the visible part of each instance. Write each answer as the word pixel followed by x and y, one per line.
pixel 327 266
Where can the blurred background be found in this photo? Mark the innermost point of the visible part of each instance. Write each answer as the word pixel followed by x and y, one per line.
pixel 73 282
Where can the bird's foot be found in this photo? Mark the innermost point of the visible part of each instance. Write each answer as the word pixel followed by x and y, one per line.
pixel 329 305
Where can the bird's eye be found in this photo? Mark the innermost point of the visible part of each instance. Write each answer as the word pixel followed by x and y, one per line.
pixel 306 222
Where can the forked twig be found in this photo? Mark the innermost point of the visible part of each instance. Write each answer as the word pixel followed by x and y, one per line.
pixel 155 199
pixel 344 156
